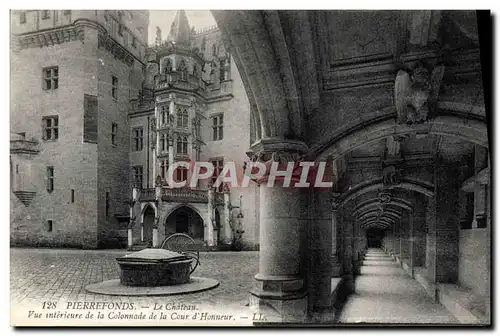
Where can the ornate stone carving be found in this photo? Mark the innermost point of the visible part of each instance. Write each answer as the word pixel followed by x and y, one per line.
pixel 152 71
pixel 283 157
pixel 384 197
pixel 108 43
pixel 156 222
pixel 171 119
pixel 49 38
pixel 210 184
pixel 416 95
pixel 225 188
pixel 131 222
pixel 391 175
pixel 158 181
pixel 158 36
pixel 153 133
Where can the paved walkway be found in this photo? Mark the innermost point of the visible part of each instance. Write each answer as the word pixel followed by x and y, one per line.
pixel 37 275
pixel 386 294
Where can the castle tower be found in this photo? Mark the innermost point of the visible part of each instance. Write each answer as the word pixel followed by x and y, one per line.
pixel 179 100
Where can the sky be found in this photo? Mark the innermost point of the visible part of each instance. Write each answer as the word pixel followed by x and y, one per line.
pixel 163 19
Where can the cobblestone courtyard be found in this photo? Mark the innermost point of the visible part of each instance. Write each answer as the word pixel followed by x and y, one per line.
pixel 39 275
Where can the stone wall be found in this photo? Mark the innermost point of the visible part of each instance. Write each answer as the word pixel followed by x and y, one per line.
pixel 474 262
pixel 114 169
pixel 74 162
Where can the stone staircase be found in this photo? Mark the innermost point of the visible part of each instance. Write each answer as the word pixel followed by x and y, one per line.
pixel 375 256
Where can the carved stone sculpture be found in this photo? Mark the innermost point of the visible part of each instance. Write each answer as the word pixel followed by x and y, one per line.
pixel 416 95
pixel 158 36
pixel 158 181
pixel 153 132
pixel 391 175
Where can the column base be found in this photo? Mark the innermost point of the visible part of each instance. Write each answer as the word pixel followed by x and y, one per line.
pixel 279 299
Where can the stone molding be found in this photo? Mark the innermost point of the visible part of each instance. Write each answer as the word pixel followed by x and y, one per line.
pixel 46 38
pixel 380 69
pixel 270 150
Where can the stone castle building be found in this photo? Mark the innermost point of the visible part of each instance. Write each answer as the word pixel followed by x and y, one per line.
pixel 392 101
pixel 97 117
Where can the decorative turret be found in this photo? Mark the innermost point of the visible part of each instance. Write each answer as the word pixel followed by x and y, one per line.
pixel 180 30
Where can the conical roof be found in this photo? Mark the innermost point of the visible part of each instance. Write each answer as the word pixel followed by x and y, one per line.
pixel 179 30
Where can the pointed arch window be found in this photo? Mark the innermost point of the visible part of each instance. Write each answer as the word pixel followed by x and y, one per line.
pixel 214 50
pixel 182 68
pixel 162 115
pixel 182 118
pixel 182 145
pixel 162 142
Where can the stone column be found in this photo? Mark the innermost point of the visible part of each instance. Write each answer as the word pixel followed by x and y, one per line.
pixel 336 266
pixel 347 244
pixel 209 227
pixel 447 186
pixel 132 222
pixel 155 232
pixel 142 229
pixel 283 217
pixel 228 232
pixel 443 228
pixel 397 241
pixel 320 251
pixel 410 246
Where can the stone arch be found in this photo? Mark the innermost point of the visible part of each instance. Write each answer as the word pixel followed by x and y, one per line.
pixel 185 218
pixel 148 204
pixel 375 224
pixel 178 206
pixel 149 216
pixel 166 65
pixel 419 186
pixel 398 202
pixel 374 212
pixel 382 124
pixel 261 68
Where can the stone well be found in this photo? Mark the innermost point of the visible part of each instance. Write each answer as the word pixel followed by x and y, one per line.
pixel 154 267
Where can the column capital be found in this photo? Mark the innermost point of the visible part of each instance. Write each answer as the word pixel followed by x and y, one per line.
pixel 268 148
pixel 282 151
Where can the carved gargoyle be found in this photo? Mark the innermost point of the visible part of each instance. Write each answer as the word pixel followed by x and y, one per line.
pixel 416 95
